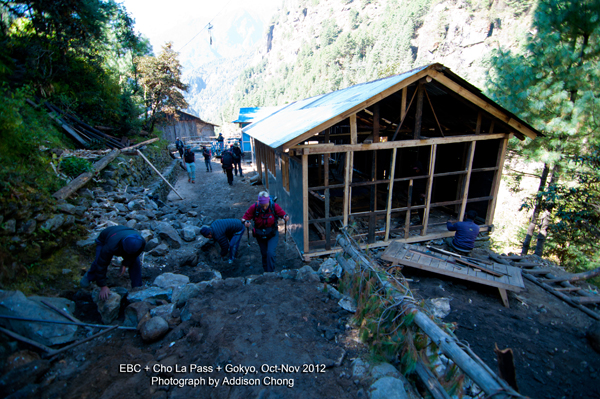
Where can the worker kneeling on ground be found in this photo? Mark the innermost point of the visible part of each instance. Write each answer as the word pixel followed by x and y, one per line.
pixel 228 233
pixel 121 241
pixel 265 214
pixel 466 233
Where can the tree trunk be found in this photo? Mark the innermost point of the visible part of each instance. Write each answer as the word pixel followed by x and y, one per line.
pixel 543 233
pixel 536 211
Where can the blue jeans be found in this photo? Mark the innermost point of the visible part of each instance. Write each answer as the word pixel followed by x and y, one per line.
pixel 208 164
pixel 237 165
pixel 191 169
pixel 135 270
pixel 234 244
pixel 267 250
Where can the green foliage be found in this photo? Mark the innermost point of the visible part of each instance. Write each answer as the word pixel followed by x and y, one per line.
pixel 161 78
pixel 554 84
pixel 73 166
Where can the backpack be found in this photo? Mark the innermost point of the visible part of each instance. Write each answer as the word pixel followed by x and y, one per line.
pixel 189 156
pixel 267 232
pixel 237 153
pixel 227 159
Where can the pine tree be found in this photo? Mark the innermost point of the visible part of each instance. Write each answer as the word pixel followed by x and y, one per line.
pixel 554 85
pixel 161 79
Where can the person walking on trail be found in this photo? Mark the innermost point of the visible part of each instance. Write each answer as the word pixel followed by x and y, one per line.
pixel 190 163
pixel 120 241
pixel 466 233
pixel 207 156
pixel 220 141
pixel 265 214
pixel 227 163
pixel 228 233
pixel 179 145
pixel 238 154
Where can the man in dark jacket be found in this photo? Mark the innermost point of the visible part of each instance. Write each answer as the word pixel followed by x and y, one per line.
pixel 179 145
pixel 238 154
pixel 466 232
pixel 120 241
pixel 228 233
pixel 207 155
pixel 227 162
pixel 220 141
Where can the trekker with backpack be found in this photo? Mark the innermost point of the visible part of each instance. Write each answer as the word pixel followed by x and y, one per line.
pixel 238 154
pixel 207 155
pixel 227 162
pixel 190 163
pixel 265 214
pixel 228 233
pixel 179 145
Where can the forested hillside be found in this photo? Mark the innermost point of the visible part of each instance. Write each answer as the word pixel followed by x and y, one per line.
pixel 317 46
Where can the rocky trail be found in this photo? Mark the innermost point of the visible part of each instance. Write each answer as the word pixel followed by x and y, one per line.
pixel 232 331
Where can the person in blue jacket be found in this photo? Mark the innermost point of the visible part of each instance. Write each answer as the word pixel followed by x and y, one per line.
pixel 466 232
pixel 228 233
pixel 121 241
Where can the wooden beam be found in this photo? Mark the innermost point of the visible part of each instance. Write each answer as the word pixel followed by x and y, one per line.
pixel 403 103
pixel 327 195
pixel 347 177
pixel 83 178
pixel 373 197
pixel 160 174
pixel 365 104
pixel 388 215
pixel 408 209
pixel 388 145
pixel 478 126
pixel 353 130
pixel 136 146
pixel 467 181
pixel 481 103
pixel 305 226
pixel 432 155
pixel 419 112
pixel 496 182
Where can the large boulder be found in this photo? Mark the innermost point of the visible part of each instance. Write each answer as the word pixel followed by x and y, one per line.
pixel 306 273
pixel 163 311
pixel 108 308
pixel 388 388
pixel 168 234
pixel 154 329
pixel 167 280
pixel 14 303
pixel 149 294
pixel 135 312
pixel 182 294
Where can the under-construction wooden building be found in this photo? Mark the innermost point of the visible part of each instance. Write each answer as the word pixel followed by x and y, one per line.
pixel 394 158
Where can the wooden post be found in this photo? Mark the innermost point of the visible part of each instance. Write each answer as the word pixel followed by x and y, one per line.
pixel 408 209
pixel 489 218
pixel 403 103
pixel 465 195
pixel 305 225
pixel 353 130
pixel 432 154
pixel 388 215
pixel 156 170
pixel 478 126
pixel 373 199
pixel 257 155
pixel 419 113
pixel 326 183
pixel 347 177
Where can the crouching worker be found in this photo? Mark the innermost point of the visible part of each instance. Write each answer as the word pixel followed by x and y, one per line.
pixel 120 241
pixel 228 233
pixel 265 214
pixel 466 233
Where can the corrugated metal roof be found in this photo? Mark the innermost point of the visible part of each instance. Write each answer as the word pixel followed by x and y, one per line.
pixel 254 114
pixel 297 118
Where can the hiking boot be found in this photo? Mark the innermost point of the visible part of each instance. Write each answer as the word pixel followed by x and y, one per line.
pixel 193 181
pixel 189 180
pixel 85 281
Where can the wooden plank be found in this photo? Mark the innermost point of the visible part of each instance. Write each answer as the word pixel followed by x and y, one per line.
pixel 305 201
pixel 486 106
pixel 388 145
pixel 504 297
pixel 467 181
pixel 408 209
pixel 327 199
pixel 432 155
pixel 478 125
pixel 536 272
pixel 353 130
pixel 496 182
pixel 403 103
pixel 388 215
